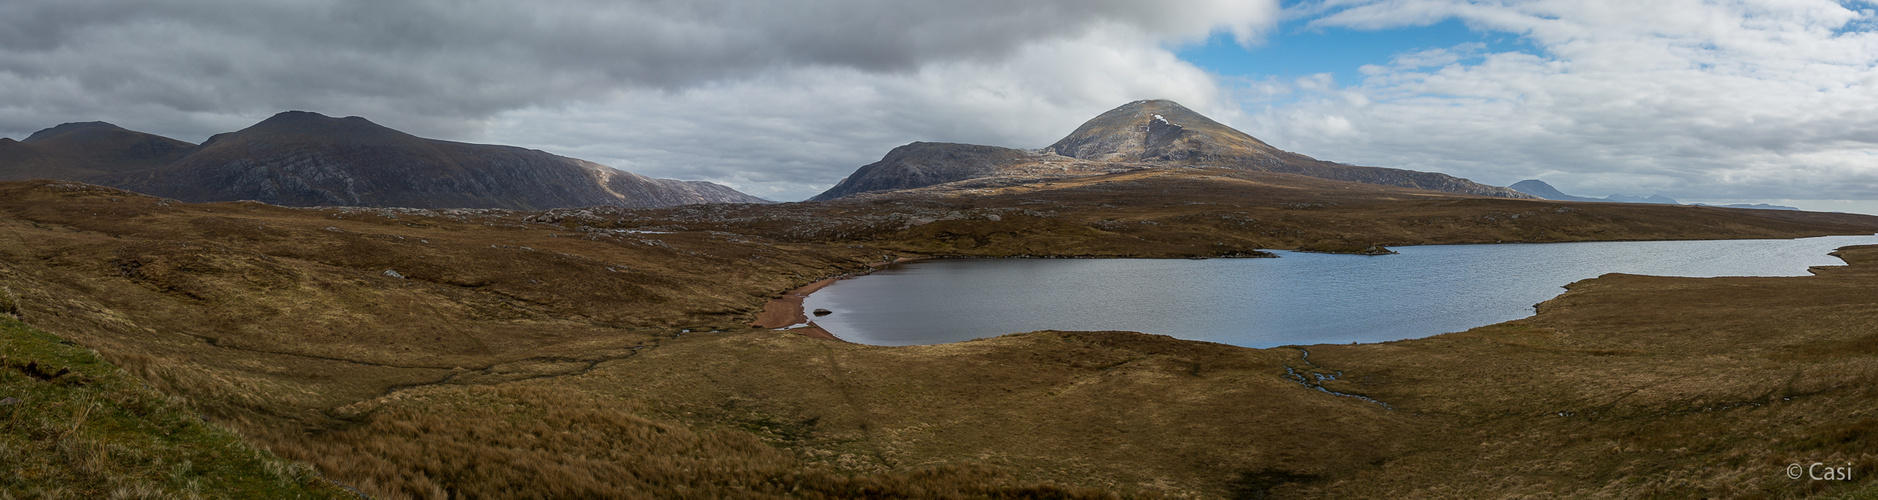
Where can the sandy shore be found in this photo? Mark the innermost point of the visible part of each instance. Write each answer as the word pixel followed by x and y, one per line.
pixel 787 311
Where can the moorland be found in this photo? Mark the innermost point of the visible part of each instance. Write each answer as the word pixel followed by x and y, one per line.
pixel 606 352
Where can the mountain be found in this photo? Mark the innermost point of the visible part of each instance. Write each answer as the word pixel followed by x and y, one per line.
pixel 1756 206
pixel 82 150
pixel 1655 198
pixel 1137 135
pixel 1540 189
pixel 923 164
pixel 298 158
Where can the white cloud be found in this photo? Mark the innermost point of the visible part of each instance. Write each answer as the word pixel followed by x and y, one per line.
pixel 1741 99
pixel 791 134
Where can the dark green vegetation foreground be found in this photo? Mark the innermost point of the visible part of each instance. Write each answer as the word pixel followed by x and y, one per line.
pixel 72 426
pixel 489 354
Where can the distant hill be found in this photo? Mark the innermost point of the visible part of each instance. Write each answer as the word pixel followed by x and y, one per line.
pixel 1757 206
pixel 299 158
pixel 1540 189
pixel 1655 198
pixel 923 164
pixel 83 150
pixel 1137 135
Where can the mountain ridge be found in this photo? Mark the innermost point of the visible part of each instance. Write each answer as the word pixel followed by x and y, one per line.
pixel 301 158
pixel 1137 135
pixel 80 150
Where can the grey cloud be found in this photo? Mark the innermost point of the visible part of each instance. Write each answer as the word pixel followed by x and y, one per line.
pixel 435 63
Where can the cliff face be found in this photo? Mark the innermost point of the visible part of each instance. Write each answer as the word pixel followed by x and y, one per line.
pixel 306 159
pixel 1140 134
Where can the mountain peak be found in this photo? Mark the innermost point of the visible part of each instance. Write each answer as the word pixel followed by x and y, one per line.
pixel 1156 129
pixel 1541 189
pixel 293 126
pixel 1149 133
pixel 66 128
pixel 309 118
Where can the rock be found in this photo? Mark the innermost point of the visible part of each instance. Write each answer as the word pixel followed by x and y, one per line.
pixel 1377 250
pixel 393 274
pixel 823 312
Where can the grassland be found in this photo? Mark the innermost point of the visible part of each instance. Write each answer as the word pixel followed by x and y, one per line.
pixel 602 353
pixel 73 426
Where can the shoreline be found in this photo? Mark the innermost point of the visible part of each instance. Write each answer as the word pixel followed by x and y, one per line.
pixel 786 311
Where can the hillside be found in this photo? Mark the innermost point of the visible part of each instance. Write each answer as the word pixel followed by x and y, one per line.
pixel 306 159
pixel 85 151
pixel 73 426
pixel 1138 135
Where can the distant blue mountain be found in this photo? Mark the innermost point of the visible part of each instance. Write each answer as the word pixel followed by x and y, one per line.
pixel 1540 189
pixel 1762 206
pixel 1655 198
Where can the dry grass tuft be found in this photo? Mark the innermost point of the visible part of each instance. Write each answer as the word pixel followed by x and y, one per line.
pixel 9 303
pixel 546 442
pixel 92 431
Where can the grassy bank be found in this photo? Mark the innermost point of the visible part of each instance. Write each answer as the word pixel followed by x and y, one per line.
pixel 74 426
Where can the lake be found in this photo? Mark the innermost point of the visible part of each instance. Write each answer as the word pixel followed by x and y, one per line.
pixel 1296 299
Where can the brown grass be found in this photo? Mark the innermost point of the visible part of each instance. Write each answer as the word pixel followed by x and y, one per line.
pixel 72 426
pixel 533 441
pixel 557 354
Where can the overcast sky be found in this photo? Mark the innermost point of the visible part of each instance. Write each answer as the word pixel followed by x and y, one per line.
pixel 1739 101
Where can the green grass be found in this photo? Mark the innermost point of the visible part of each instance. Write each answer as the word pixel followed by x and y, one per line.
pixel 74 426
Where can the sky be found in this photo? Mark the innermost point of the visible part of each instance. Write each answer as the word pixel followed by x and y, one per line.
pixel 1772 101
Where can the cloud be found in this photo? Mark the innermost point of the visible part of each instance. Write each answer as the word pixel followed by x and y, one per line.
pixel 1745 99
pixel 1736 100
pixel 791 134
pixel 444 67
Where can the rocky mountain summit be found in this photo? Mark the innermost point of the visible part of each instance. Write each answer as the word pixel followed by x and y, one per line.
pixel 298 158
pixel 1138 135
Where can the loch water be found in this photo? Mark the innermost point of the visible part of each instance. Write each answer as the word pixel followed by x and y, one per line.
pixel 1296 299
